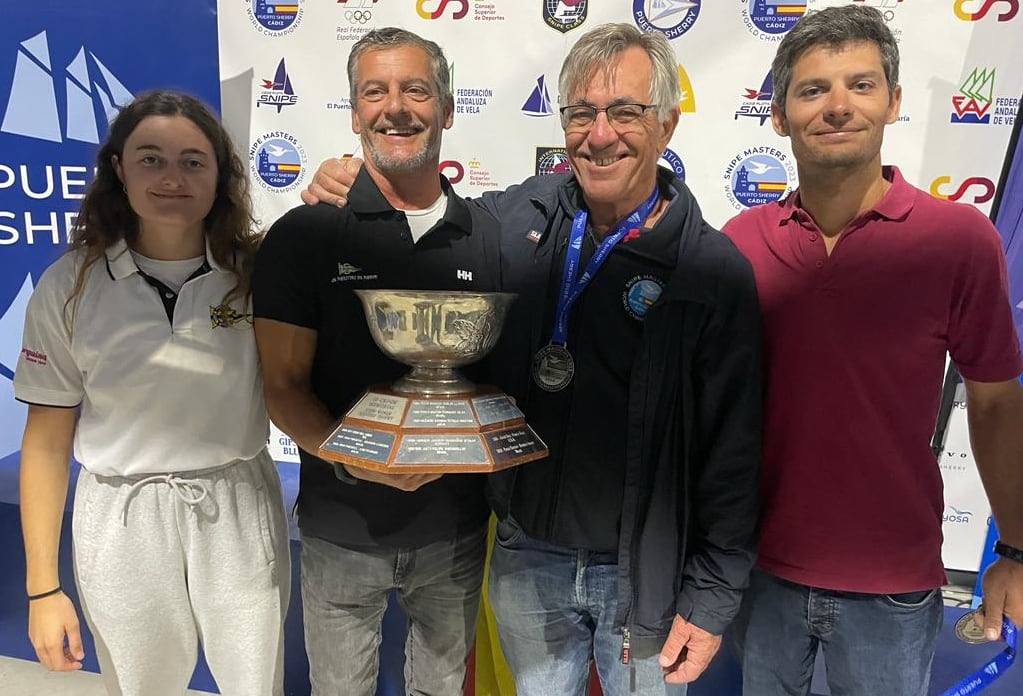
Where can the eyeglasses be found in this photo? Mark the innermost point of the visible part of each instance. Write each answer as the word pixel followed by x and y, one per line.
pixel 581 117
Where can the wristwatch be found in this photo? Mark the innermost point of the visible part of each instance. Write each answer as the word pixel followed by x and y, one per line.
pixel 1010 552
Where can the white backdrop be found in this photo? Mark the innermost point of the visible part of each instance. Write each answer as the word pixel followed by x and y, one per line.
pixel 284 93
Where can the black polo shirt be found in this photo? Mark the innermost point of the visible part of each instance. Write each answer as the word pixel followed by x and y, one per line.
pixel 308 265
pixel 585 424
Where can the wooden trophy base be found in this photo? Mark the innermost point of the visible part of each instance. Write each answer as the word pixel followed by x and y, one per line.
pixel 403 433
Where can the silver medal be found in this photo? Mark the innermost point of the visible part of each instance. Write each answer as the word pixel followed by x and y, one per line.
pixel 553 367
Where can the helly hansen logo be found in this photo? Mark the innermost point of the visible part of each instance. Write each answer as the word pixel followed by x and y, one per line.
pixel 464 275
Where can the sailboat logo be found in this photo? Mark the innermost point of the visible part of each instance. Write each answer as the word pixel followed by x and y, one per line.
pixel 32 110
pixel 564 15
pixel 278 91
pixel 539 101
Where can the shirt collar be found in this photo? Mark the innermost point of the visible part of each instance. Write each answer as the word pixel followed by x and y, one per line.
pixel 365 198
pixel 895 204
pixel 120 263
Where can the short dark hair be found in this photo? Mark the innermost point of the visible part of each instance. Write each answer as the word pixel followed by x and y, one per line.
pixel 834 27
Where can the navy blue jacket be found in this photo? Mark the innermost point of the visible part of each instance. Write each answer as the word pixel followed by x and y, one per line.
pixel 689 511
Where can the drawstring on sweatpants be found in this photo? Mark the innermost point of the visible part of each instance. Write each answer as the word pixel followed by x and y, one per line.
pixel 191 491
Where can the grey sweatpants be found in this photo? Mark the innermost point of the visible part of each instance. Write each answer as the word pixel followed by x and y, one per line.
pixel 161 566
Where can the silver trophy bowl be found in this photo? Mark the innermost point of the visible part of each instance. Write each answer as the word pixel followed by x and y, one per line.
pixel 434 332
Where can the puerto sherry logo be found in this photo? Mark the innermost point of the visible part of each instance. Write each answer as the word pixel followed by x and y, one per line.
pixel 768 20
pixel 756 103
pixel 974 189
pixel 278 161
pixel 552 160
pixel 564 15
pixel 358 11
pixel 278 91
pixel 758 175
pixel 275 18
pixel 673 18
pixel 670 159
pixel 976 10
pixel 539 101
pixel 90 87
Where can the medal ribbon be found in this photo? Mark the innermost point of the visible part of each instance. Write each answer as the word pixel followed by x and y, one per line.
pixel 983 677
pixel 571 288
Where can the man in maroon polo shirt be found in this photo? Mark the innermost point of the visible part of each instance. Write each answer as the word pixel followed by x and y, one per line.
pixel 865 283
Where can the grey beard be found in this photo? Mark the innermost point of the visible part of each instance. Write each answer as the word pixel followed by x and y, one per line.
pixel 385 163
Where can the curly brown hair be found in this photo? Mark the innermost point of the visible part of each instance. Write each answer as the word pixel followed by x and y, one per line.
pixel 106 216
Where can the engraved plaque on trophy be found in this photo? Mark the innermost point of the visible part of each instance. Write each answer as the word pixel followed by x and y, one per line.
pixel 433 420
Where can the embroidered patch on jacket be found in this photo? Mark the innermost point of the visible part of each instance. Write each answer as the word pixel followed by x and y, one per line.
pixel 640 294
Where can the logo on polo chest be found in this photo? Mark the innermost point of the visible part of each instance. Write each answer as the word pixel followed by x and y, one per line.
pixel 348 273
pixel 224 316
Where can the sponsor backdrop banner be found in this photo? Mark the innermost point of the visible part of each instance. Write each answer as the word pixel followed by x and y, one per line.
pixel 65 67
pixel 286 96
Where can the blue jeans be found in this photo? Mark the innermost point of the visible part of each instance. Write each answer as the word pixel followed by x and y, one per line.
pixel 873 644
pixel 555 608
pixel 344 594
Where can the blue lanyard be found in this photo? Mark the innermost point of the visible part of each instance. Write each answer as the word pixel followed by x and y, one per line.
pixel 571 288
pixel 993 669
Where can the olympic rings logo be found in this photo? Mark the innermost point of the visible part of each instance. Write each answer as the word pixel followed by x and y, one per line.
pixel 360 16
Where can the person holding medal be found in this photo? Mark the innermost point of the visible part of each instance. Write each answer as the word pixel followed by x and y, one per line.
pixel 865 283
pixel 634 350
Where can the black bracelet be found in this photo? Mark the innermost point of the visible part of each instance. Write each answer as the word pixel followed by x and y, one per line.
pixel 1010 552
pixel 41 595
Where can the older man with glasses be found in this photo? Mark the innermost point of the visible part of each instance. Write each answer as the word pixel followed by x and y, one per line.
pixel 634 348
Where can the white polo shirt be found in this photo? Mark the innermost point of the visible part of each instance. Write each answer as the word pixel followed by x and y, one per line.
pixel 156 395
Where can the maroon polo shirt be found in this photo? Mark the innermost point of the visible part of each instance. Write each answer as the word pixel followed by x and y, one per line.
pixel 855 346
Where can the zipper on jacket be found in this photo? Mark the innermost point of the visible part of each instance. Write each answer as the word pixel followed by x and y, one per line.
pixel 626 644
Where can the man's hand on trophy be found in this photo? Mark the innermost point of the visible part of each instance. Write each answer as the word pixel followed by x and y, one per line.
pixel 332 181
pixel 403 482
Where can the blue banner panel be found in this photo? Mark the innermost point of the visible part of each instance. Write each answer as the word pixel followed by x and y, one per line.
pixel 65 67
pixel 1009 221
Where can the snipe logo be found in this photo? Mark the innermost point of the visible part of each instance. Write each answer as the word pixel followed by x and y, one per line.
pixel 32 110
pixel 564 15
pixel 278 91
pixel 756 103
